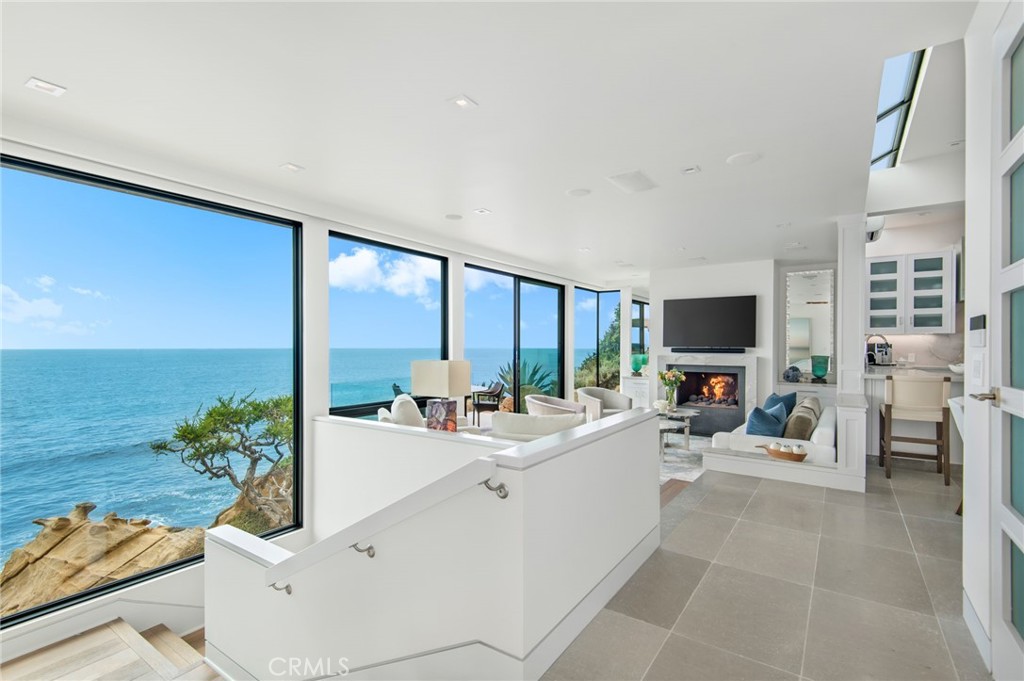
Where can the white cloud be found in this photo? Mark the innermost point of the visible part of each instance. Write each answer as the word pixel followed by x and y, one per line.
pixel 16 309
pixel 359 271
pixel 587 304
pixel 44 282
pixel 477 279
pixel 366 270
pixel 88 292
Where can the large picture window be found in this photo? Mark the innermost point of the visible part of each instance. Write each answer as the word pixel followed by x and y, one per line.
pixel 387 308
pixel 150 362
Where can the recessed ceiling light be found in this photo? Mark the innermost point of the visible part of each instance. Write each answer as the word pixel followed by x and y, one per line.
pixel 482 211
pixel 690 170
pixel 38 85
pixel 463 102
pixel 956 143
pixel 453 216
pixel 794 246
pixel 584 249
pixel 744 158
pixel 578 193
pixel 681 248
pixel 783 225
pixel 696 258
pixel 291 167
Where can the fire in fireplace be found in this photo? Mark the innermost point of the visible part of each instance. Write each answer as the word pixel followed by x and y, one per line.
pixel 709 389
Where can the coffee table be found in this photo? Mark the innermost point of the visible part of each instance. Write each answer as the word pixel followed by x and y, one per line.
pixel 677 421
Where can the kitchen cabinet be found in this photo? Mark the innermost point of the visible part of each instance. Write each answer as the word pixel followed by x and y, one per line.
pixel 910 293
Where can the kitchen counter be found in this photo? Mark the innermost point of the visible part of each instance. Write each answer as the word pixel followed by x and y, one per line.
pixel 875 372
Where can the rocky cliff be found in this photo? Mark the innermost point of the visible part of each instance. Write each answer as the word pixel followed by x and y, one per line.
pixel 73 553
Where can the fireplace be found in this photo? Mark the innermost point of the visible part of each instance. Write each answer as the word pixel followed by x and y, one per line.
pixel 717 391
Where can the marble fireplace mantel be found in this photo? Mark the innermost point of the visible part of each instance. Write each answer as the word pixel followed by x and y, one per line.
pixel 719 359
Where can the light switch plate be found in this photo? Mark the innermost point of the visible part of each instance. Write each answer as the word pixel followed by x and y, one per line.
pixel 978 369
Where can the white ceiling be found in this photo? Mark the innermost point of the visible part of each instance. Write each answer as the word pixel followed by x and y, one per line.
pixel 222 94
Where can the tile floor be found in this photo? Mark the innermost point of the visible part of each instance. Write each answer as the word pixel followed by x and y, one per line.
pixel 757 579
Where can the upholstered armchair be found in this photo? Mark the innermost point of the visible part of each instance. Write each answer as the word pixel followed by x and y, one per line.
pixel 600 402
pixel 546 405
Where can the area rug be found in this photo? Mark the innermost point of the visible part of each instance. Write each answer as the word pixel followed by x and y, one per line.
pixel 683 464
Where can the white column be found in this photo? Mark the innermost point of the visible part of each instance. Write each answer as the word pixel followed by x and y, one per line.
pixel 851 404
pixel 456 307
pixel 625 331
pixel 850 305
pixel 569 338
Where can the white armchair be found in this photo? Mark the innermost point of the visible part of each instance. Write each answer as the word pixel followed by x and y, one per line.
pixel 405 412
pixel 546 405
pixel 600 402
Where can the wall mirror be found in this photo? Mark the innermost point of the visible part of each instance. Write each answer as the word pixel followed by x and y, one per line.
pixel 810 325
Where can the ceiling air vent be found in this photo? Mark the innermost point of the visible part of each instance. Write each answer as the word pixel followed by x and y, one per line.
pixel 632 182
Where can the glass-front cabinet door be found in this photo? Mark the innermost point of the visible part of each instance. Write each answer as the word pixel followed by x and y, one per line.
pixel 930 293
pixel 885 294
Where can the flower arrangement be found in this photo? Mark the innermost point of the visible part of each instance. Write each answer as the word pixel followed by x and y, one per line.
pixel 671 379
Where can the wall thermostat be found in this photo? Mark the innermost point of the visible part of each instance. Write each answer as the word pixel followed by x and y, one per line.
pixel 976 331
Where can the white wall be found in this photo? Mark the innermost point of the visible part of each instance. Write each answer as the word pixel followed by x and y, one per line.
pixel 709 281
pixel 932 181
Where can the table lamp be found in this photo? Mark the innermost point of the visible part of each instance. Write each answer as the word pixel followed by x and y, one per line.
pixel 441 379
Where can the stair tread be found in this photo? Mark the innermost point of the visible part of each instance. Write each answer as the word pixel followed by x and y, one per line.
pixel 174 648
pixel 110 651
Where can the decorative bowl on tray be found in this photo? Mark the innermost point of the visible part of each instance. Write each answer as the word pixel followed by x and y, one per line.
pixel 957 368
pixel 779 453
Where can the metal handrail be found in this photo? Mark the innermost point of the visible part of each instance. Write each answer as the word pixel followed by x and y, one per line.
pixel 476 472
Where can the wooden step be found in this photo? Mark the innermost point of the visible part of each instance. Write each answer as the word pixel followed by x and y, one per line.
pixel 183 656
pixel 197 639
pixel 112 651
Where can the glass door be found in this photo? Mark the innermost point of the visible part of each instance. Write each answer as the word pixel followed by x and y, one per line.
pixel 1007 342
pixel 514 335
pixel 490 328
pixel 885 294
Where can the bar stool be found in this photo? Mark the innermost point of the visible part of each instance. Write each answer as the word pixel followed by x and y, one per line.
pixel 920 398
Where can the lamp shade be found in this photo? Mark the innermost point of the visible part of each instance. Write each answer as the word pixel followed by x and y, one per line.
pixel 440 377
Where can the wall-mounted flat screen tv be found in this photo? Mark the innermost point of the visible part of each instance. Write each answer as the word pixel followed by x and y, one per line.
pixel 710 322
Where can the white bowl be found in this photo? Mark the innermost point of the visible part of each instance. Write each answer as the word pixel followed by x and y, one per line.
pixel 957 368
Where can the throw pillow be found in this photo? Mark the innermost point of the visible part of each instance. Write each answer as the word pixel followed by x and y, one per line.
pixel 789 400
pixel 804 419
pixel 767 422
pixel 384 416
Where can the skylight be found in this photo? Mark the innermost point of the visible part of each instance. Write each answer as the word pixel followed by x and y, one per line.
pixel 899 80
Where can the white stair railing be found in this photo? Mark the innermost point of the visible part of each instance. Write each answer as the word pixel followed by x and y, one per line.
pixel 476 472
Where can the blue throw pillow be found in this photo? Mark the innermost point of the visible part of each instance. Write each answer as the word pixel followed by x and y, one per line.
pixel 788 400
pixel 767 422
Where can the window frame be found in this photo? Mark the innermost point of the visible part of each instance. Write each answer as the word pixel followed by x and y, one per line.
pixel 370 408
pixel 144 191
pixel 517 279
pixel 901 109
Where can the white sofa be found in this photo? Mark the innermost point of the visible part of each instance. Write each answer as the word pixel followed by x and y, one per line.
pixel 528 427
pixel 821 446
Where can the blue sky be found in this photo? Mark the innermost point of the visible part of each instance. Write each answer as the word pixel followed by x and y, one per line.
pixel 85 267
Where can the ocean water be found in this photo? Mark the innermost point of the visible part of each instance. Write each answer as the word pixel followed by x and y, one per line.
pixel 75 425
